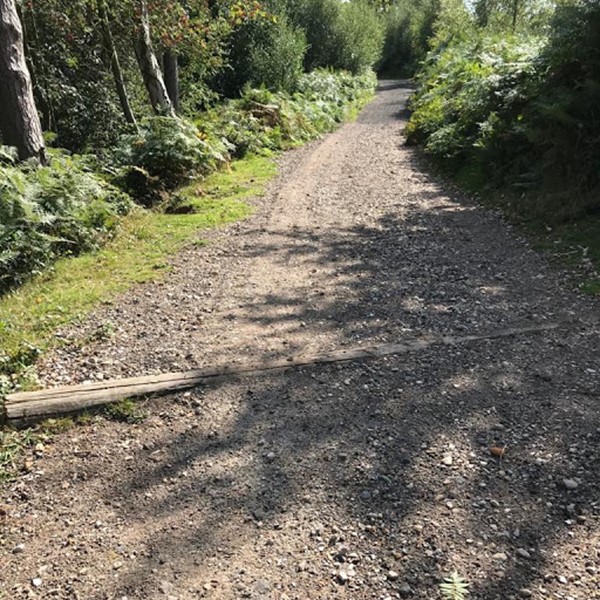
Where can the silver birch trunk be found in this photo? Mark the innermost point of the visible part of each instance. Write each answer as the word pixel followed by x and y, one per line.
pixel 19 120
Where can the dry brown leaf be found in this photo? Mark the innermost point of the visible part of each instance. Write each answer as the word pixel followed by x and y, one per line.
pixel 498 451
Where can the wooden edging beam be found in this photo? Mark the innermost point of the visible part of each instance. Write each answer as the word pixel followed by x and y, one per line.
pixel 62 400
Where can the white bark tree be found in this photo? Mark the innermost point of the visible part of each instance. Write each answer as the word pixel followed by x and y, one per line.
pixel 19 120
pixel 151 73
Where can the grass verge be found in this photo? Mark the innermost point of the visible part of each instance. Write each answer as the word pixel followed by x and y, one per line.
pixel 139 252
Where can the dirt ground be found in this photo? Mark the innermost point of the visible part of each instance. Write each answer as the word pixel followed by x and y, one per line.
pixel 369 480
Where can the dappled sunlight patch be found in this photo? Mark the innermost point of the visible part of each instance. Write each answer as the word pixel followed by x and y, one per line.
pixel 507 382
pixel 461 383
pixel 493 290
pixel 413 304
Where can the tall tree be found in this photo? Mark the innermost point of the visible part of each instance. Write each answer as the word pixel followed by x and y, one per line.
pixel 19 119
pixel 151 73
pixel 115 64
pixel 171 70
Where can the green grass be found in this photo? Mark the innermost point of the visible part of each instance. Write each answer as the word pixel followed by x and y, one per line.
pixel 125 411
pixel 12 445
pixel 140 251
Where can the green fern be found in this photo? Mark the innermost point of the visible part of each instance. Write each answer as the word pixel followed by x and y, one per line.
pixel 454 587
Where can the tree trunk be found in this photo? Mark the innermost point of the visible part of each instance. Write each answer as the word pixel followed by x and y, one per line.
pixel 171 71
pixel 115 65
pixel 19 119
pixel 37 69
pixel 153 79
pixel 515 13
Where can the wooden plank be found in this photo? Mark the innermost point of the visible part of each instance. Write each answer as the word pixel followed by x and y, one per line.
pixel 54 401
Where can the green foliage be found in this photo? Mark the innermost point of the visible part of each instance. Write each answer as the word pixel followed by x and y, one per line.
pixel 454 22
pixel 465 89
pixel 222 47
pixel 318 18
pixel 169 149
pixel 262 121
pixel 277 64
pixel 73 86
pixel 359 37
pixel 262 50
pixel 514 15
pixel 341 35
pixel 125 411
pixel 408 29
pixel 519 112
pixel 52 211
pixel 454 587
pixel 8 155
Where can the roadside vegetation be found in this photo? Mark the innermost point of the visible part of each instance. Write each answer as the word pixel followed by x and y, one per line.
pixel 508 103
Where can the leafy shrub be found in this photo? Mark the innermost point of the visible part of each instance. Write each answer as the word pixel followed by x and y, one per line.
pixel 264 50
pixel 519 112
pixel 346 36
pixel 408 29
pixel 318 18
pixel 262 120
pixel 277 64
pixel 170 150
pixel 359 37
pixel 86 117
pixel 465 89
pixel 51 211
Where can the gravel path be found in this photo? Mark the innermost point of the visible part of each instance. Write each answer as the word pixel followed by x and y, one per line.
pixel 370 480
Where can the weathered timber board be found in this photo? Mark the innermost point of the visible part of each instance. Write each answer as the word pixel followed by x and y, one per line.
pixel 60 400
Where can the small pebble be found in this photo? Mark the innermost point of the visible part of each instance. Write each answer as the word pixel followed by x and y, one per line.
pixel 343 577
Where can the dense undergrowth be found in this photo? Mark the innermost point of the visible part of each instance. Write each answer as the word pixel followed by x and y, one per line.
pixel 519 113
